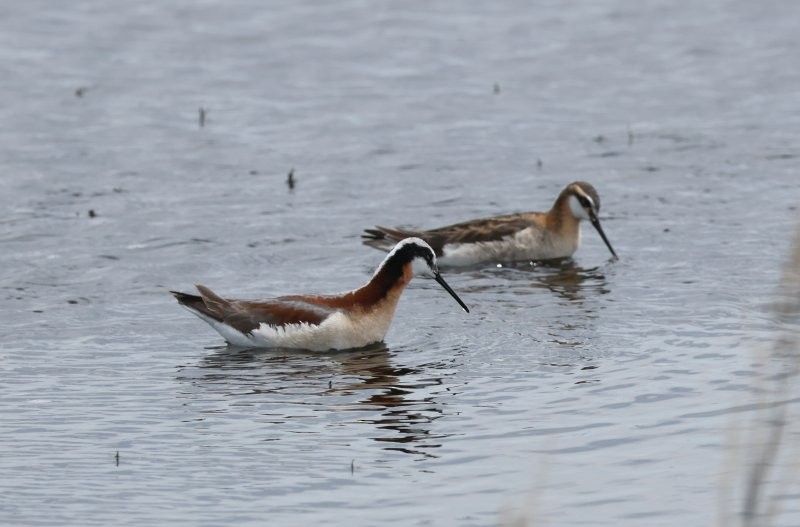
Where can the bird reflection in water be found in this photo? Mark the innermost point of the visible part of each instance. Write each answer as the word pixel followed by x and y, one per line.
pixel 562 276
pixel 572 282
pixel 364 381
pixel 391 392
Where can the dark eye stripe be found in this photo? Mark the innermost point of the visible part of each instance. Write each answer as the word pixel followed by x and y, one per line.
pixel 587 202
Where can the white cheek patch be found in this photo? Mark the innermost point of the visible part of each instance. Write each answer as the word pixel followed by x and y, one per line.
pixel 420 267
pixel 578 211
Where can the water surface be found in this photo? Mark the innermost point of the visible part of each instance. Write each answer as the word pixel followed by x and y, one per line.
pixel 585 392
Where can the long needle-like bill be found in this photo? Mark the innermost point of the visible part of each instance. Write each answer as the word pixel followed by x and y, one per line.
pixel 596 222
pixel 438 278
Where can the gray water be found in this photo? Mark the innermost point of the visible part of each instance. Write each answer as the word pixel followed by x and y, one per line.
pixel 587 392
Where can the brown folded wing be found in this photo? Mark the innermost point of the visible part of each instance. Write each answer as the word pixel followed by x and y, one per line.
pixel 473 231
pixel 245 316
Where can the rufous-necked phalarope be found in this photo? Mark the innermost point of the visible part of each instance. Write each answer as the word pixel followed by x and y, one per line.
pixel 316 322
pixel 511 237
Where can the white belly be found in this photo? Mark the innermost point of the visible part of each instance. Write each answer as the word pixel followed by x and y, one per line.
pixel 337 332
pixel 527 244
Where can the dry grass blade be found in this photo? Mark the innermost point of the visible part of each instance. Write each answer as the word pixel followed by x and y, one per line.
pixel 781 366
